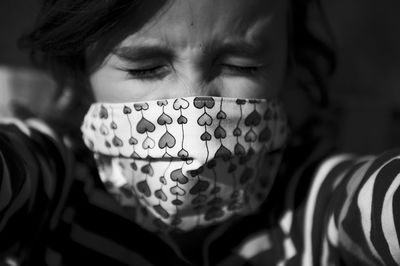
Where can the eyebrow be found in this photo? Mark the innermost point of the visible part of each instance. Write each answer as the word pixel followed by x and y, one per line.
pixel 241 49
pixel 137 53
pixel 141 53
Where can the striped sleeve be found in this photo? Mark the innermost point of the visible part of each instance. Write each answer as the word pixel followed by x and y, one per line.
pixel 32 165
pixel 359 223
pixel 369 219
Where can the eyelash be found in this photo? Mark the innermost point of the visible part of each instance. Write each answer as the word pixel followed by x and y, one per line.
pixel 158 73
pixel 147 73
pixel 242 69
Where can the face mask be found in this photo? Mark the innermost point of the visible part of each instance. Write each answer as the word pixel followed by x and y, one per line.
pixel 188 162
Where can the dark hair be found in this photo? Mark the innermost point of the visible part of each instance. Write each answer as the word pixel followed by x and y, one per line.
pixel 313 48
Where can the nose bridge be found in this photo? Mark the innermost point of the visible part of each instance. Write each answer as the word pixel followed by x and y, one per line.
pixel 190 81
pixel 193 80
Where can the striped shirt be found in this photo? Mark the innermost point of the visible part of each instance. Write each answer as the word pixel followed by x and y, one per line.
pixel 54 210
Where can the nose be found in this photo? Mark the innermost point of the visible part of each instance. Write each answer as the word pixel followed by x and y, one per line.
pixel 193 80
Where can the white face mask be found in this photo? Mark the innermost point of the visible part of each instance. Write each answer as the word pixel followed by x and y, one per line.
pixel 190 162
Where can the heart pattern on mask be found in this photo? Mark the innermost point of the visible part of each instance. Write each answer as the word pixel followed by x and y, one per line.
pixel 205 136
pixel 177 191
pixel 107 144
pixel 195 152
pixel 201 102
pixel 127 110
pixel 221 115
pixel 117 142
pixel 250 136
pixel 253 119
pixel 132 141
pixel 162 102
pixel 223 153
pixel 220 133
pixel 133 166
pixel 144 126
pixel 200 199
pixel 144 188
pixel 178 176
pixel 161 211
pixel 240 101
pixel 134 155
pixel 141 106
pixel 239 150
pixel 147 169
pixel 113 125
pixel 148 143
pixel 200 186
pixel 183 154
pixel 160 195
pixel 215 190
pixel 196 172
pixel 167 140
pixel 163 180
pixel 205 119
pixel 180 104
pixel 177 202
pixel 182 120
pixel 265 135
pixel 237 132
pixel 103 112
pixel 267 115
pixel 164 119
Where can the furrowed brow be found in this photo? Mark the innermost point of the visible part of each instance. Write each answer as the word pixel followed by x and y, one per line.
pixel 140 53
pixel 242 49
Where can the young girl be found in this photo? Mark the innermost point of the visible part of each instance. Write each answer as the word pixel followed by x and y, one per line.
pixel 194 163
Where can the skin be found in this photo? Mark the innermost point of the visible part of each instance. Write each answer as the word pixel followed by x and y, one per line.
pixel 198 48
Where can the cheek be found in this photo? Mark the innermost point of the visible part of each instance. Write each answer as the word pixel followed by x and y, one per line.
pixel 268 84
pixel 113 86
pixel 247 88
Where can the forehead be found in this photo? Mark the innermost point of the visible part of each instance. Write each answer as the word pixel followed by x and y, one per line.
pixel 186 23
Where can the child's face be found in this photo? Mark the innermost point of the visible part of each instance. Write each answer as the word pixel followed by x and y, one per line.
pixel 229 48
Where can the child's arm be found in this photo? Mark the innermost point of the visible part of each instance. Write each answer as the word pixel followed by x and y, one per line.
pixel 33 181
pixel 355 211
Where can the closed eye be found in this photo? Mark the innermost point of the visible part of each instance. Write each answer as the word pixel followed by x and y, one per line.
pixel 236 69
pixel 151 73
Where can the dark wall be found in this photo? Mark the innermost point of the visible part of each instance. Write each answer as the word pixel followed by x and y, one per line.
pixel 16 17
pixel 367 83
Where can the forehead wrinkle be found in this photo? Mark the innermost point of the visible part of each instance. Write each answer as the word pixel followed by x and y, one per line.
pixel 194 29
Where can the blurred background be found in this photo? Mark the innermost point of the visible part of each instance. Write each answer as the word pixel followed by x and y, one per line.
pixel 365 89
